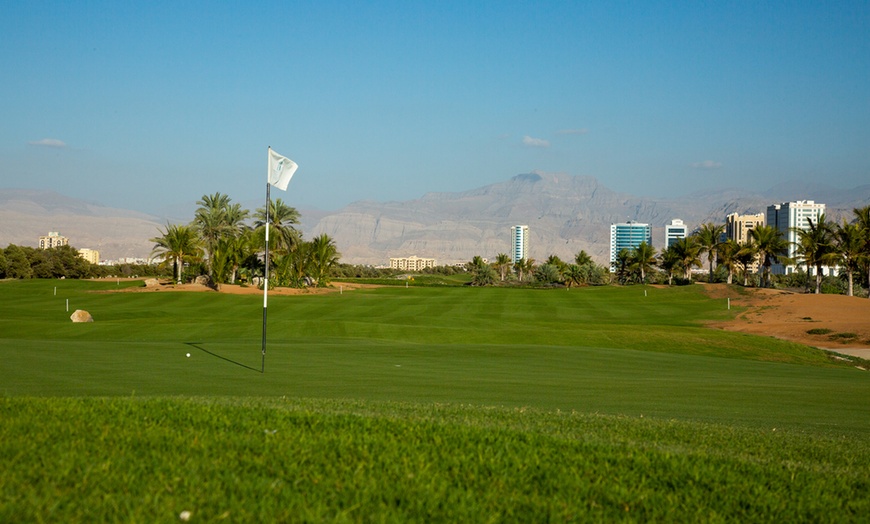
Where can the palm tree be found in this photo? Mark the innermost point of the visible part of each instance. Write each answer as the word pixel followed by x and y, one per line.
pixel 642 258
pixel 727 256
pixel 688 252
pixel 574 275
pixel 524 267
pixel 862 219
pixel 582 258
pixel 815 247
pixel 220 225
pixel 324 256
pixel 770 245
pixel 294 266
pixel 178 244
pixel 669 261
pixel 621 265
pixel 209 222
pixel 746 256
pixel 482 274
pixel 236 249
pixel 235 219
pixel 708 239
pixel 502 264
pixel 282 236
pixel 556 262
pixel 548 273
pixel 850 244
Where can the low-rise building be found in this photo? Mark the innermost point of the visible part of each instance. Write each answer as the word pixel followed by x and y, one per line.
pixel 91 255
pixel 412 263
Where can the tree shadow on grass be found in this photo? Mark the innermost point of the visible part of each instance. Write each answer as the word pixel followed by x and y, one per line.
pixel 197 345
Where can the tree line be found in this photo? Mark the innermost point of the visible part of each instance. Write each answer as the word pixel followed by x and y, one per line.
pixel 227 243
pixel 24 262
pixel 553 271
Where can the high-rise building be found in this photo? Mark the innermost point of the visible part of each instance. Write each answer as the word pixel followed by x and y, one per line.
pixel 519 243
pixel 738 227
pixel 53 239
pixel 787 217
pixel 627 235
pixel 674 231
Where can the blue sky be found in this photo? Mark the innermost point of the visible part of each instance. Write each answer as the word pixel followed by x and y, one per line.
pixel 143 105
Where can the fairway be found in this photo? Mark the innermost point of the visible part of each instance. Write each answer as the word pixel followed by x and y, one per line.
pixel 599 350
pixel 418 404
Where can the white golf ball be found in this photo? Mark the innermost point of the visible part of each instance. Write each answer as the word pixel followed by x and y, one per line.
pixel 188 355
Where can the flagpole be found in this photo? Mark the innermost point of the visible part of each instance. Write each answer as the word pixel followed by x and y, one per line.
pixel 266 274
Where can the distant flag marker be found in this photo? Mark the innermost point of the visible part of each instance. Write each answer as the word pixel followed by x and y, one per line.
pixel 279 171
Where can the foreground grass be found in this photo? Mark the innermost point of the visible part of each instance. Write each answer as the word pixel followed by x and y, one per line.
pixel 147 460
pixel 419 404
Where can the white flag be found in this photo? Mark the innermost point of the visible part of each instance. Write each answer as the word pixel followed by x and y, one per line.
pixel 281 170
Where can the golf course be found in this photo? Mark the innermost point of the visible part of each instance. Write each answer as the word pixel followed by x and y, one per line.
pixel 418 404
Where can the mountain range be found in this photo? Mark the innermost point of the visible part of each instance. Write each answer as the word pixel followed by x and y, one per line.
pixel 564 213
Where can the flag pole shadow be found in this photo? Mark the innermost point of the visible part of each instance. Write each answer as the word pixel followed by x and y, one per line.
pixel 196 345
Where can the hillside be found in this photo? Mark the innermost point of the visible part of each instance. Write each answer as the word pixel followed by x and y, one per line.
pixel 564 213
pixel 25 215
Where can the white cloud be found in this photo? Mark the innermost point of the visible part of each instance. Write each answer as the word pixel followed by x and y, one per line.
pixel 706 164
pixel 48 142
pixel 535 142
pixel 573 131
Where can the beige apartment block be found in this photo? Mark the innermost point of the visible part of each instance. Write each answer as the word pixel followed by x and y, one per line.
pixel 412 263
pixel 738 227
pixel 53 239
pixel 91 255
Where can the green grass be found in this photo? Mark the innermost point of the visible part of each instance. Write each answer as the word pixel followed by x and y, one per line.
pixel 254 460
pixel 418 403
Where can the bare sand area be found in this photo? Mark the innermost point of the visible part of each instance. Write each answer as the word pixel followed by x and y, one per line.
pixel 788 315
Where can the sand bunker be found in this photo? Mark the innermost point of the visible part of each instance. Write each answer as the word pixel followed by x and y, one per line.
pixel 789 316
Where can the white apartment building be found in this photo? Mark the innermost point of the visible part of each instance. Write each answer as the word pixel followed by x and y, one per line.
pixel 786 216
pixel 519 243
pixel 674 231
